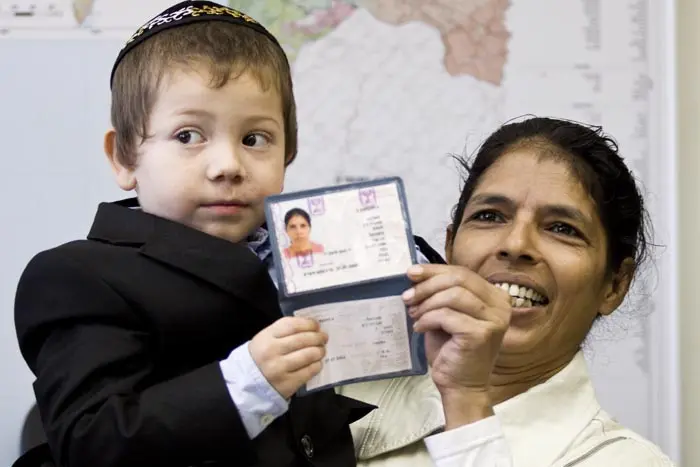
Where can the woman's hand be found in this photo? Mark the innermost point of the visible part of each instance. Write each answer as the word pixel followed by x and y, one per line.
pixel 464 319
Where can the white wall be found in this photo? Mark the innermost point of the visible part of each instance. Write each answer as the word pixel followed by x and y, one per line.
pixel 47 196
pixel 688 40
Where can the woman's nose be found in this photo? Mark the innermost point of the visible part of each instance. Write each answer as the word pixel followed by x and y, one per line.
pixel 518 244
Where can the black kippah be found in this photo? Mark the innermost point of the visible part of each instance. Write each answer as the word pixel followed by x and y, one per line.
pixel 186 13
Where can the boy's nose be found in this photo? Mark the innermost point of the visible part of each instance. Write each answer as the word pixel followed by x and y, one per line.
pixel 224 163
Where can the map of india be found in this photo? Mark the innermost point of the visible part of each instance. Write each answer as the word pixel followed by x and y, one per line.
pixel 473 31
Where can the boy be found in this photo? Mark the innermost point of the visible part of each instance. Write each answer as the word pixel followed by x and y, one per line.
pixel 158 340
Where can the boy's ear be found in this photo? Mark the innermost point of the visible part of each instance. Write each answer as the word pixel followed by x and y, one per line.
pixel 124 175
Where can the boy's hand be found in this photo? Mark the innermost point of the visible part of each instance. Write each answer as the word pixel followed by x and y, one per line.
pixel 289 353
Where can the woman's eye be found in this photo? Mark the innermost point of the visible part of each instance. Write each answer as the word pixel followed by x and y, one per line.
pixel 256 140
pixel 189 137
pixel 564 229
pixel 486 216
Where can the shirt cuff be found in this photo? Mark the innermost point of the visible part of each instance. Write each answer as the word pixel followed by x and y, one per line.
pixel 479 444
pixel 258 403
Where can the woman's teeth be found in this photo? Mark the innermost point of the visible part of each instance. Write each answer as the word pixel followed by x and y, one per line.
pixel 522 297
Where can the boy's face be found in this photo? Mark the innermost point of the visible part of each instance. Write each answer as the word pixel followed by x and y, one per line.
pixel 212 155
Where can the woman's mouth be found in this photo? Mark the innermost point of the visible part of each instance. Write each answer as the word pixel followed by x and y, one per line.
pixel 521 296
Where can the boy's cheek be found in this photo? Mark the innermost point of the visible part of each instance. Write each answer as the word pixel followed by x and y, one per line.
pixel 253 219
pixel 258 214
pixel 275 184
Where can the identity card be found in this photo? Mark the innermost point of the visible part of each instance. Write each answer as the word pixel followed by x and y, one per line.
pixel 341 255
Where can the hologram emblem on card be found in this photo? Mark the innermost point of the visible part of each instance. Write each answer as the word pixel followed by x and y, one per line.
pixel 316 206
pixel 368 198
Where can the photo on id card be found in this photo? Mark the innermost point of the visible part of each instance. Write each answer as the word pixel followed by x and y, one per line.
pixel 341 255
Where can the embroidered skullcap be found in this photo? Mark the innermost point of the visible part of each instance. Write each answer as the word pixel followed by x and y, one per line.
pixel 188 12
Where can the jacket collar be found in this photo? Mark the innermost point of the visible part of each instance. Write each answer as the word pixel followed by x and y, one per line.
pixel 410 409
pixel 234 268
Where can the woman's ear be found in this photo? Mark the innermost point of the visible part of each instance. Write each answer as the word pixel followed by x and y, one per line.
pixel 449 238
pixel 617 287
pixel 124 175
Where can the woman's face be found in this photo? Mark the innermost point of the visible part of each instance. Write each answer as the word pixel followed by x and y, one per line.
pixel 532 226
pixel 298 229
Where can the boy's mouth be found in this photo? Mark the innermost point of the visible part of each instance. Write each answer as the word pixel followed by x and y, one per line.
pixel 226 208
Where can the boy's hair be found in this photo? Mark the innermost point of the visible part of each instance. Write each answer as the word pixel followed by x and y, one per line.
pixel 227 50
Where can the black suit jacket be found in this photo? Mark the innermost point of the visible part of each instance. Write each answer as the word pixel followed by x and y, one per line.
pixel 124 332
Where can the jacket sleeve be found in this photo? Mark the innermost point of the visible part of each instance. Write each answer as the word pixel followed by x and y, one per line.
pixel 89 351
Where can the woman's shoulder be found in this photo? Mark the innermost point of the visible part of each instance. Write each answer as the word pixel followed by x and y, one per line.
pixel 607 443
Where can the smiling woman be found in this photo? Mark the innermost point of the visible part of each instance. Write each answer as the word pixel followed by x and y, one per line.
pixel 546 237
pixel 541 217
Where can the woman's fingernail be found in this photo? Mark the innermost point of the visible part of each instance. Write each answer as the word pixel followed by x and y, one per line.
pixel 409 294
pixel 415 270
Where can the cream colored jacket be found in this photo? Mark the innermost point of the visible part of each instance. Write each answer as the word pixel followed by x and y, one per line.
pixel 558 423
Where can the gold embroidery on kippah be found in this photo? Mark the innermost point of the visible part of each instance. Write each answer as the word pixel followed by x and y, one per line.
pixel 222 10
pixel 185 12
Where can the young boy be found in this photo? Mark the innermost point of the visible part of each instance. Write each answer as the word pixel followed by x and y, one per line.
pixel 158 341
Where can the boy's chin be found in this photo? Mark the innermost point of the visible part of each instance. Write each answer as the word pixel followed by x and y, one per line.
pixel 235 232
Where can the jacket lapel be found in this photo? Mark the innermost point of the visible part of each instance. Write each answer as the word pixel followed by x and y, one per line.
pixel 409 409
pixel 233 268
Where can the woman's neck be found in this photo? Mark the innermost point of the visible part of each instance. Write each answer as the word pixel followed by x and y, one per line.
pixel 304 245
pixel 512 377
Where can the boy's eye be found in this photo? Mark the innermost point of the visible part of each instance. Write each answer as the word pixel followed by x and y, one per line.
pixel 564 229
pixel 189 137
pixel 256 140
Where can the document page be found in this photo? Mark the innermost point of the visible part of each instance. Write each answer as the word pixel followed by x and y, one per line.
pixel 366 338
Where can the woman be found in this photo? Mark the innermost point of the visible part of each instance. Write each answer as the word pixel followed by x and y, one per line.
pixel 546 237
pixel 297 224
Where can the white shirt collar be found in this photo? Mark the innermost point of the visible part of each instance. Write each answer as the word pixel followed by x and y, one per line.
pixel 547 418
